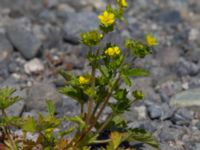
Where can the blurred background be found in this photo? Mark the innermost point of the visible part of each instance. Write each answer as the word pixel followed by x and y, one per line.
pixel 39 37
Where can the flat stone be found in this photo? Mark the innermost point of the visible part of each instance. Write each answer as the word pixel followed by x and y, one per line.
pixel 23 40
pixel 187 98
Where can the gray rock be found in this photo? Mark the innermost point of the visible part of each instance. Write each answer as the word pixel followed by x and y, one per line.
pixel 198 125
pixel 185 67
pixel 5 48
pixel 77 23
pixel 38 94
pixel 193 146
pixel 168 56
pixel 24 41
pixel 149 126
pixel 154 111
pixel 182 117
pixel 169 17
pixel 161 112
pixel 170 134
pixel 47 16
pixel 186 98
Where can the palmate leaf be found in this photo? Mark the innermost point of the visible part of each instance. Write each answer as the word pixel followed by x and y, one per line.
pixel 140 135
pixel 6 98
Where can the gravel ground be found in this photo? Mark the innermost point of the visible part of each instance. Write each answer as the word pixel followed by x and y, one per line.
pixel 37 39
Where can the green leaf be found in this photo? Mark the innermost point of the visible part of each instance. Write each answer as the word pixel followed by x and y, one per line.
pixel 78 120
pixel 138 95
pixel 66 132
pixel 74 92
pixel 29 125
pixel 6 98
pixel 126 79
pixel 116 139
pixel 120 94
pixel 50 107
pixel 9 121
pixel 138 49
pixel 67 76
pixel 140 135
pixel 106 29
pixel 136 72
pixel 104 70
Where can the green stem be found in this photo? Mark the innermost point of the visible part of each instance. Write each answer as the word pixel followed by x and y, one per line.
pixel 99 113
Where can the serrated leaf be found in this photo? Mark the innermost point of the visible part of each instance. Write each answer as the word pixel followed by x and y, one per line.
pixel 78 120
pixel 76 93
pixel 50 107
pixel 126 80
pixel 29 125
pixel 116 139
pixel 6 98
pixel 143 136
pixel 136 72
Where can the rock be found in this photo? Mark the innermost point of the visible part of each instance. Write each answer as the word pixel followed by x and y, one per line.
pixel 171 17
pixel 185 67
pixel 198 125
pixel 193 146
pixel 77 23
pixel 24 41
pixel 187 98
pixel 34 66
pixel 193 34
pixel 170 134
pixel 154 111
pixel 47 16
pixel 16 109
pixel 168 56
pixel 141 111
pixel 194 55
pixel 131 115
pixel 52 3
pixel 70 106
pixel 182 117
pixel 5 48
pixel 149 126
pixel 38 93
pixel 161 112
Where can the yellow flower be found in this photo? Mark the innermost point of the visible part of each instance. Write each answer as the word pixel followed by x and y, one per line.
pixel 151 40
pixel 107 18
pixel 112 51
pixel 122 3
pixel 84 80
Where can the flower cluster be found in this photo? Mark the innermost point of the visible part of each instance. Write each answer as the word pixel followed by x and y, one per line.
pixel 107 18
pixel 112 51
